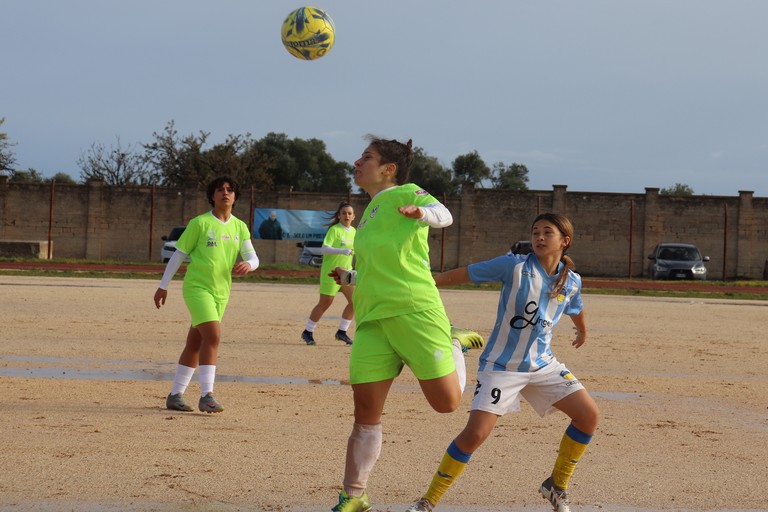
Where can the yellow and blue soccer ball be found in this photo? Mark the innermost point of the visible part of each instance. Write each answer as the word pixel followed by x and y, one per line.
pixel 308 33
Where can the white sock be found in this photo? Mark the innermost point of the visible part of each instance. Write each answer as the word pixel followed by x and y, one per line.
pixel 344 324
pixel 460 363
pixel 206 377
pixel 182 378
pixel 363 448
pixel 311 325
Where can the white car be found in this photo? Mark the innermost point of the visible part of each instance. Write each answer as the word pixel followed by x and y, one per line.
pixel 311 253
pixel 169 244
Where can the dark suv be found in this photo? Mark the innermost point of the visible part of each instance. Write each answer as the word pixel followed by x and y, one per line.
pixel 677 261
pixel 521 247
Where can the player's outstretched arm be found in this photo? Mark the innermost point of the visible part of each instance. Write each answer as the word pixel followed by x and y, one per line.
pixel 452 277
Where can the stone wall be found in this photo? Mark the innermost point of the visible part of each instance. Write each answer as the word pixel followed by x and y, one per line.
pixel 614 232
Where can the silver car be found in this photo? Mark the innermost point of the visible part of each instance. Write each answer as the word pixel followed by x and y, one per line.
pixel 677 261
pixel 311 253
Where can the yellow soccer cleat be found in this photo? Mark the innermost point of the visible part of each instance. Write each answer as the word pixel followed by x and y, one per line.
pixel 466 338
pixel 352 503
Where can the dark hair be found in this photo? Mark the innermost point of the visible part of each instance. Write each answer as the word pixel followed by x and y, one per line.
pixel 394 152
pixel 218 183
pixel 565 227
pixel 334 218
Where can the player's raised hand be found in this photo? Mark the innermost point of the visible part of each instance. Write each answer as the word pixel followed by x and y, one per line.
pixel 411 211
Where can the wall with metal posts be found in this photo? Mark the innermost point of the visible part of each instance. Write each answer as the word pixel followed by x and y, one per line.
pixel 614 233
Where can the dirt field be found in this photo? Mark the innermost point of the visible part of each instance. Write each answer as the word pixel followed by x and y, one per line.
pixel 86 365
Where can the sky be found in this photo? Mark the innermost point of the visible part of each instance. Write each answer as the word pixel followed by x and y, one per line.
pixel 597 95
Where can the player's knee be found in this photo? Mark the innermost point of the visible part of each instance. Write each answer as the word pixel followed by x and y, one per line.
pixel 588 419
pixel 446 404
pixel 470 439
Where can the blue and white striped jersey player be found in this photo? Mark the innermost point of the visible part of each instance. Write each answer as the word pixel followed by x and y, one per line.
pixel 537 289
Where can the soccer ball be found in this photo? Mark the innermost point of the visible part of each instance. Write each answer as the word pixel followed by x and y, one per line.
pixel 308 33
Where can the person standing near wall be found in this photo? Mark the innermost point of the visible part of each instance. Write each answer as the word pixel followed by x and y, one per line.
pixel 213 241
pixel 337 252
pixel 270 229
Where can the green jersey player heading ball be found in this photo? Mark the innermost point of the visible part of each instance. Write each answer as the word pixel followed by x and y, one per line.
pixel 398 310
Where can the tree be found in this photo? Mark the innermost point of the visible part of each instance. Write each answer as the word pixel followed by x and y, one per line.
pixel 427 172
pixel 304 165
pixel 470 168
pixel 64 178
pixel 7 158
pixel 678 189
pixel 238 158
pixel 114 166
pixel 177 161
pixel 28 176
pixel 513 177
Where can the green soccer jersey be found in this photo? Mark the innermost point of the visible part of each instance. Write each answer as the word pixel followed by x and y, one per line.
pixel 338 237
pixel 393 270
pixel 213 247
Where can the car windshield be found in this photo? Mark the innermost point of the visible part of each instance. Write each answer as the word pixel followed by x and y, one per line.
pixel 175 234
pixel 679 254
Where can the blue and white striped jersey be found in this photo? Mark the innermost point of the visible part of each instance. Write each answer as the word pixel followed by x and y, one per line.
pixel 520 341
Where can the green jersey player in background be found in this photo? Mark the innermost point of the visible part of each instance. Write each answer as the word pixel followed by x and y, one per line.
pixel 337 252
pixel 212 240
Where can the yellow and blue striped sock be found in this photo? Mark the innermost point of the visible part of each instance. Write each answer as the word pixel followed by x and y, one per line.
pixel 453 464
pixel 572 447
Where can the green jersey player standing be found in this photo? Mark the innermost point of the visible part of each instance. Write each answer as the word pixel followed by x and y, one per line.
pixel 212 241
pixel 399 314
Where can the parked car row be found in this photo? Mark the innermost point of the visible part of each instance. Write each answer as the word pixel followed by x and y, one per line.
pixel 668 260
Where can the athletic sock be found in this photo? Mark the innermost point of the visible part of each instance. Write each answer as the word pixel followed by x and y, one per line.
pixel 182 378
pixel 572 447
pixel 206 377
pixel 344 324
pixel 311 325
pixel 460 363
pixel 363 448
pixel 453 464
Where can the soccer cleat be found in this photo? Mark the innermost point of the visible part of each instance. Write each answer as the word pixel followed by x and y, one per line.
pixel 556 497
pixel 177 403
pixel 466 338
pixel 307 337
pixel 423 505
pixel 352 503
pixel 342 336
pixel 209 404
